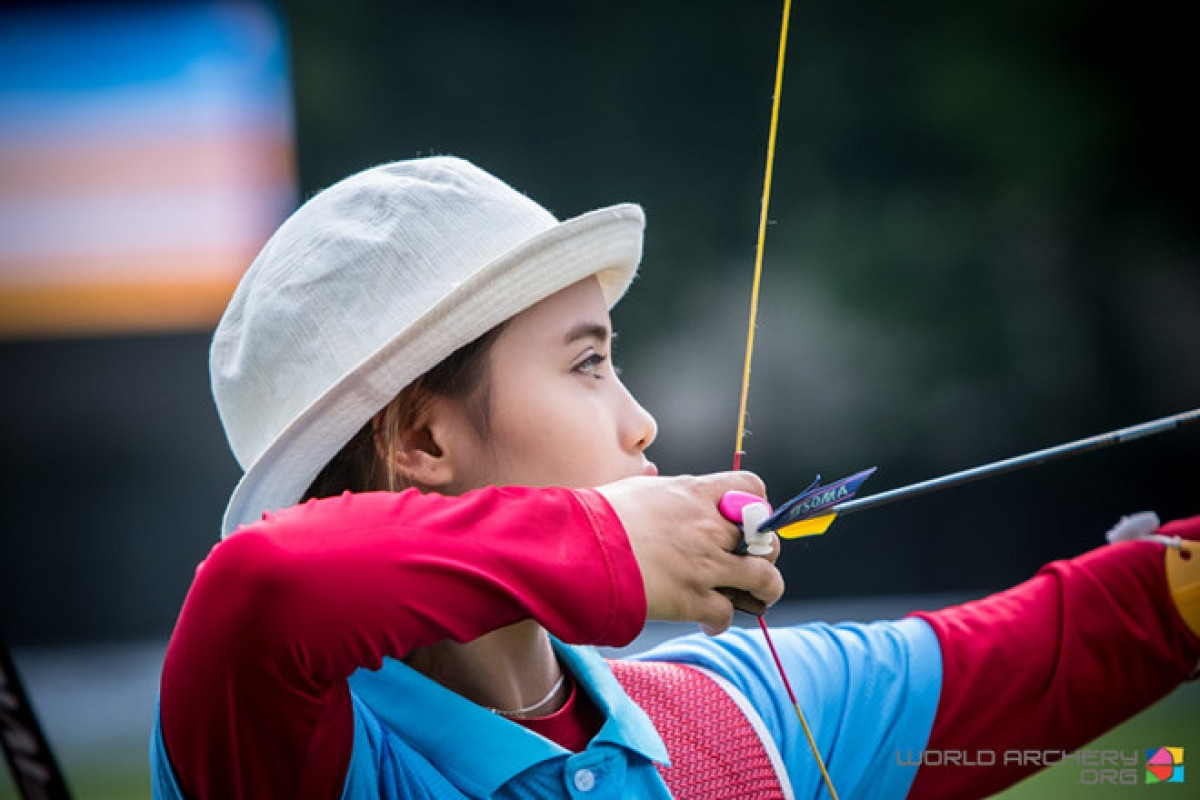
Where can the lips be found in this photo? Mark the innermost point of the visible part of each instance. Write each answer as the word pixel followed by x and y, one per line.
pixel 650 469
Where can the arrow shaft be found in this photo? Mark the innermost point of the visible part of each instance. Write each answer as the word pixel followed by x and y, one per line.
pixel 1015 463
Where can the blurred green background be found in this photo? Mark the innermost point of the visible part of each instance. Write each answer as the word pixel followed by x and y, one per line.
pixel 983 241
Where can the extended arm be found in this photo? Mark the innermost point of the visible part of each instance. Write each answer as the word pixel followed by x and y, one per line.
pixel 1056 661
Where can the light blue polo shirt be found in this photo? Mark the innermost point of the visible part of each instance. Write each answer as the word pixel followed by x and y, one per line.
pixel 867 690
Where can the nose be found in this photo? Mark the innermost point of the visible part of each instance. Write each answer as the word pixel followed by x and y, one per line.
pixel 638 428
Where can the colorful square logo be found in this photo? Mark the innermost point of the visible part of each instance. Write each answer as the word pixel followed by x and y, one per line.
pixel 1164 765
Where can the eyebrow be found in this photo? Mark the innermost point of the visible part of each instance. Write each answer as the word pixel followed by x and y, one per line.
pixel 588 330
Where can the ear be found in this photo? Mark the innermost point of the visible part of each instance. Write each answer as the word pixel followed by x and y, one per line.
pixel 422 455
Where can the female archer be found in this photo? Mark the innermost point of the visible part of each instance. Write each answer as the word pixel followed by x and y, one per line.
pixel 447 499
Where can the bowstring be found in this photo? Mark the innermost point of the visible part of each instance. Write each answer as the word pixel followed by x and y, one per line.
pixel 738 450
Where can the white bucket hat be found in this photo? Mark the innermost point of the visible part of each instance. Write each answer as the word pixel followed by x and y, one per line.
pixel 370 284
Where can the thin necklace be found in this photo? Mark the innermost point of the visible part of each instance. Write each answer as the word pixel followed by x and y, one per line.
pixel 522 712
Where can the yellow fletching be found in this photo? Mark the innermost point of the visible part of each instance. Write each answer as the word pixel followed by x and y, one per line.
pixel 807 527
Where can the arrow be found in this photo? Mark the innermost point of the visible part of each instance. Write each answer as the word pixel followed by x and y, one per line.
pixel 812 512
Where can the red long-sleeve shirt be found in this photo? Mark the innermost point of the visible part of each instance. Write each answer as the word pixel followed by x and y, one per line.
pixel 254 700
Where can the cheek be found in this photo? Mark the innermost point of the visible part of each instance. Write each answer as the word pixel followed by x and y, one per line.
pixel 550 439
pixel 539 427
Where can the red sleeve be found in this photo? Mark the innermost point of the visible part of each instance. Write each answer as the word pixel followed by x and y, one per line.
pixel 1054 662
pixel 254 700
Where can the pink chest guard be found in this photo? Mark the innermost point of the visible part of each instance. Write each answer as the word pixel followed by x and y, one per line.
pixel 718 747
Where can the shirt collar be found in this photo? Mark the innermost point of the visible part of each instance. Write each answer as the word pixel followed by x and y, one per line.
pixel 405 701
pixel 626 724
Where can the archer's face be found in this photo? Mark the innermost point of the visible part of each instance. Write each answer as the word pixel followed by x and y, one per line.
pixel 558 412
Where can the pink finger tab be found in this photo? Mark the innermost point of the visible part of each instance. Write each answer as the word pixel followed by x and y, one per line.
pixel 732 503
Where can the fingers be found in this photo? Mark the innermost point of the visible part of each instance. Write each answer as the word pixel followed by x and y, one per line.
pixel 746 583
pixel 756 577
pixel 684 547
pixel 758 587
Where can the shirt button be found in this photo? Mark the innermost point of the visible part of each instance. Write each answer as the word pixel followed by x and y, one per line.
pixel 585 780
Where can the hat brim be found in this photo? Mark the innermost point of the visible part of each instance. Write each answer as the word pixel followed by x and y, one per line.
pixel 606 243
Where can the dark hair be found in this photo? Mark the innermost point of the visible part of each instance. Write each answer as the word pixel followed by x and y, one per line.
pixel 364 464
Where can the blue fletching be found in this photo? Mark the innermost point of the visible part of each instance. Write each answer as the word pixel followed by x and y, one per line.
pixel 815 500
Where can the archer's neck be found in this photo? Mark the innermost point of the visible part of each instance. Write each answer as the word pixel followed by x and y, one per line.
pixel 509 668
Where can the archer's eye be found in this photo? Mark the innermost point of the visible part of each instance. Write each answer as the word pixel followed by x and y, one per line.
pixel 592 365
